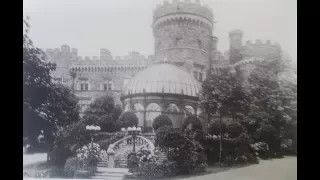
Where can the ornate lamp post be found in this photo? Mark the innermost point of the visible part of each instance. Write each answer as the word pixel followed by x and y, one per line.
pixel 133 131
pixel 92 129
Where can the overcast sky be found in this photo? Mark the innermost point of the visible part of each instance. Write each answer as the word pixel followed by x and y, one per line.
pixel 125 25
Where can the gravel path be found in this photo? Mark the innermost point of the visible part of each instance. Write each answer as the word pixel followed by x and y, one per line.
pixel 276 169
pixel 34 158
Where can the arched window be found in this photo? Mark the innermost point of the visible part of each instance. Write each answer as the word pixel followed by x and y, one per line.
pixel 173 108
pixel 189 110
pixel 153 110
pixel 139 111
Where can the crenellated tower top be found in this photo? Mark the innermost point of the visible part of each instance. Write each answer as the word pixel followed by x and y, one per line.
pixel 188 8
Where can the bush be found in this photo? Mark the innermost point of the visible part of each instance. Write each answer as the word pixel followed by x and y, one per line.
pixel 234 129
pixel 187 153
pixel 230 127
pixel 153 170
pixel 128 119
pixel 214 128
pixel 76 167
pixel 194 121
pixel 261 149
pixel 161 120
pixel 231 148
pixel 268 134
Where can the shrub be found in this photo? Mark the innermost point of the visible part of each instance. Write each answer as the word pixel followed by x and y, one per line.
pixel 268 134
pixel 214 128
pixel 76 167
pixel 261 149
pixel 128 119
pixel 231 148
pixel 153 170
pixel 133 161
pixel 161 120
pixel 234 129
pixel 194 121
pixel 187 153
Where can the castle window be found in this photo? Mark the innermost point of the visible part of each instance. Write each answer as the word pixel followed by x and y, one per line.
pixel 84 87
pixel 199 44
pixel 105 87
pixel 200 76
pixel 110 86
pixel 178 39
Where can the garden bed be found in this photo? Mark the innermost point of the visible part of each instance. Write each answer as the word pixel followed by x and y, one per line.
pixel 209 170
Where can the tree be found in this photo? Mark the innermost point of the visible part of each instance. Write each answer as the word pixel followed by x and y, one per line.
pixel 62 106
pixel 161 120
pixel 223 94
pixel 37 88
pixel 128 119
pixel 273 95
pixel 106 113
pixel 194 121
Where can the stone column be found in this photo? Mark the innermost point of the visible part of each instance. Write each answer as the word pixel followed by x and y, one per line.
pixel 111 154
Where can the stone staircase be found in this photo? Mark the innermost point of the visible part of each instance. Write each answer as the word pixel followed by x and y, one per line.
pixel 120 170
pixel 110 173
pixel 161 156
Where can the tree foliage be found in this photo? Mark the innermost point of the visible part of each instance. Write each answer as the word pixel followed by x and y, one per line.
pixel 128 119
pixel 104 112
pixel 46 106
pixel 223 94
pixel 273 93
pixel 161 120
pixel 192 121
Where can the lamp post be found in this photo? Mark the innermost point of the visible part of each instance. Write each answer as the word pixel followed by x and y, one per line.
pixel 133 131
pixel 92 129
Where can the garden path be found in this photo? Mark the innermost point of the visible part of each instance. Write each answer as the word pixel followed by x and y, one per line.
pixel 276 169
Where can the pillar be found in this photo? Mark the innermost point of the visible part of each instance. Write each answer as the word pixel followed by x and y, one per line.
pixel 111 154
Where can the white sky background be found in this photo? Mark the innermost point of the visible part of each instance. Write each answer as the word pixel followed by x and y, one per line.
pixel 125 25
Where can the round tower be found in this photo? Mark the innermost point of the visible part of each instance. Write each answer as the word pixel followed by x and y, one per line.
pixel 182 31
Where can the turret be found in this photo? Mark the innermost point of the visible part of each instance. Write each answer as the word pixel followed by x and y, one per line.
pixel 235 37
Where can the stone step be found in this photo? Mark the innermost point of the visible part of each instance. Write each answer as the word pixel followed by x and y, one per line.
pixel 107 177
pixel 113 170
pixel 109 174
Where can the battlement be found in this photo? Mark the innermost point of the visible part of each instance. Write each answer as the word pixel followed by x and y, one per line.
pixel 132 56
pixel 64 49
pixel 193 7
pixel 262 42
pixel 236 32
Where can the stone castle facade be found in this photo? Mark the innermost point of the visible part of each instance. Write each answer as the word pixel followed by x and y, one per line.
pixel 183 33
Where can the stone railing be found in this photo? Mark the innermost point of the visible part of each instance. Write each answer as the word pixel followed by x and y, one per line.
pixel 116 147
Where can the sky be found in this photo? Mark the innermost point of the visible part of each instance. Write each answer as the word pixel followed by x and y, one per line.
pixel 123 26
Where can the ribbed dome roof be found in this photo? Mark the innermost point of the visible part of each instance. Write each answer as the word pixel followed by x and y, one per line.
pixel 163 78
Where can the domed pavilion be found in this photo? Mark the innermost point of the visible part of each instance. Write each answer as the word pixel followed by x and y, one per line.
pixel 162 89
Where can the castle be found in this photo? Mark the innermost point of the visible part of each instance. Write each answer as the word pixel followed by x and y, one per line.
pixel 183 33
